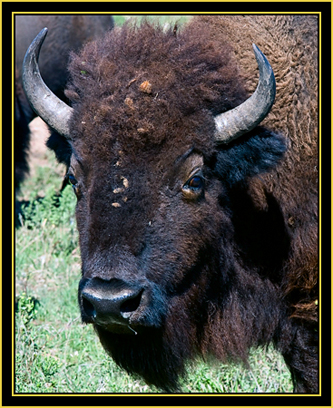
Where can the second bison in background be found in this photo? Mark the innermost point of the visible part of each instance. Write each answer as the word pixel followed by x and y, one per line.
pixel 198 227
pixel 67 33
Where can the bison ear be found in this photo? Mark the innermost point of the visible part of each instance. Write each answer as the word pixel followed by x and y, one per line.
pixel 61 147
pixel 257 152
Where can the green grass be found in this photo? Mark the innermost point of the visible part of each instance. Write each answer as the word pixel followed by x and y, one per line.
pixel 54 351
pixel 167 20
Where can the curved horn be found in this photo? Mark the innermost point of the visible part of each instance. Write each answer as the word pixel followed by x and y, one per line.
pixel 234 123
pixel 49 107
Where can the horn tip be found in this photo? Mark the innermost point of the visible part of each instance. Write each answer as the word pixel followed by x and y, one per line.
pixel 258 51
pixel 262 61
pixel 43 32
pixel 40 37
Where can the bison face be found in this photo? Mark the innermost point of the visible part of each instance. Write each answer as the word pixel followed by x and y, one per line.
pixel 146 233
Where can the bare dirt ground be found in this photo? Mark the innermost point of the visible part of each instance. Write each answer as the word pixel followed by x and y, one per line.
pixel 39 157
pixel 38 151
pixel 39 154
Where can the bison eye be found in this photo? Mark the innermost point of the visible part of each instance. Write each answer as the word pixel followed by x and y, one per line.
pixel 72 180
pixel 75 184
pixel 195 183
pixel 194 186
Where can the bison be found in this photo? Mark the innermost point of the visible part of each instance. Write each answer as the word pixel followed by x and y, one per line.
pixel 196 209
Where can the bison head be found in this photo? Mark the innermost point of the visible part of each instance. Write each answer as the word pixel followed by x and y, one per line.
pixel 159 133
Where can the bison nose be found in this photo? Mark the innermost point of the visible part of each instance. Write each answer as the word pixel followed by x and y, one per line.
pixel 109 302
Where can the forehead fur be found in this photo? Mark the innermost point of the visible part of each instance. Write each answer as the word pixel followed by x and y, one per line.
pixel 144 86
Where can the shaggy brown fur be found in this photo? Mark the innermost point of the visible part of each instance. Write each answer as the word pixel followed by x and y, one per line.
pixel 226 260
pixel 291 46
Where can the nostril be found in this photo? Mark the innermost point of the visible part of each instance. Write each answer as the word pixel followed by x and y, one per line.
pixel 132 304
pixel 88 308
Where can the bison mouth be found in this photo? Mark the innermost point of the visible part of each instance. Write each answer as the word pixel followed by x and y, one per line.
pixel 120 328
pixel 120 307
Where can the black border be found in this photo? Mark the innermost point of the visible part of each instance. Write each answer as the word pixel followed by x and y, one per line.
pixel 155 400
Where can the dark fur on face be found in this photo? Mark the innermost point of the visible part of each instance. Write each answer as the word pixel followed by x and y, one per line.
pixel 144 103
